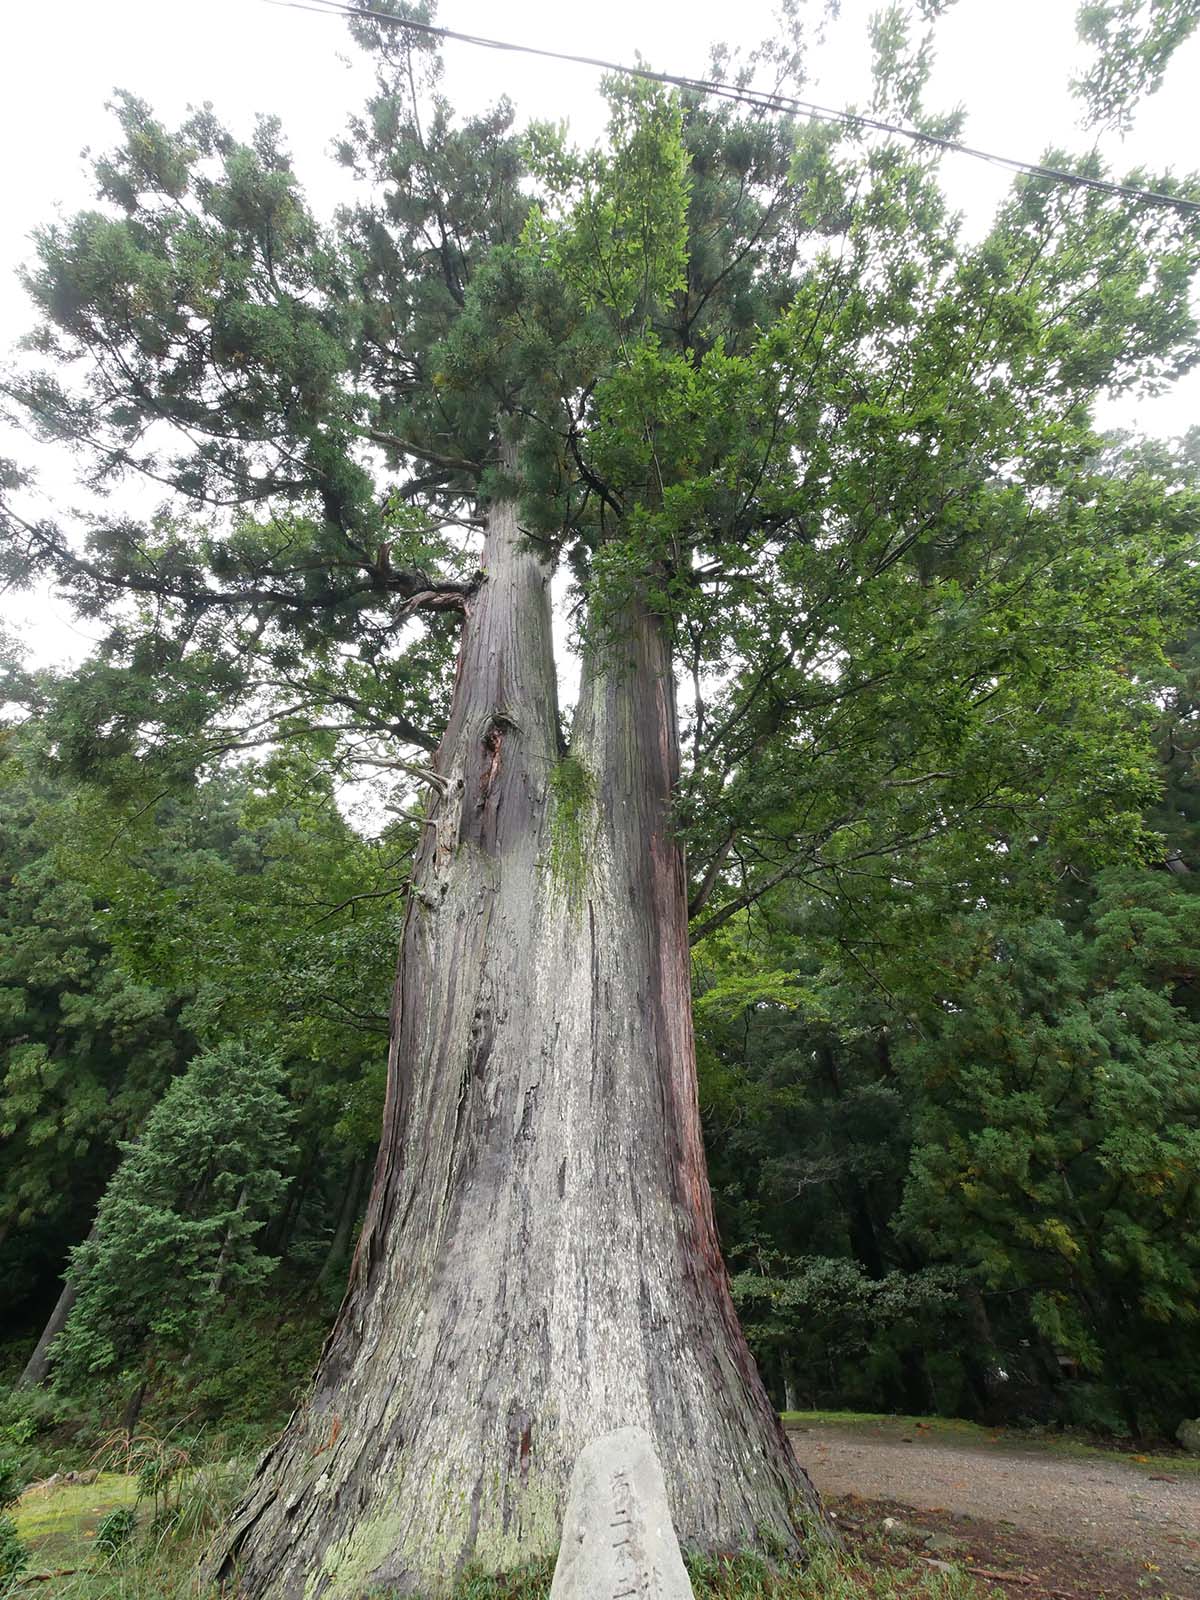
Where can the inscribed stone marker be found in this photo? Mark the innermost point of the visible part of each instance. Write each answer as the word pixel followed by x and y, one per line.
pixel 618 1540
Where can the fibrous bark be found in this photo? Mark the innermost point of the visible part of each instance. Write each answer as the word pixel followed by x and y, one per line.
pixel 538 1263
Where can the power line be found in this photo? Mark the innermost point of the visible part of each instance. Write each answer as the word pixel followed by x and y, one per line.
pixel 760 99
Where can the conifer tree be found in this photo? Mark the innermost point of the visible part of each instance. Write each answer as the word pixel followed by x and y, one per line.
pixel 791 435
pixel 177 1227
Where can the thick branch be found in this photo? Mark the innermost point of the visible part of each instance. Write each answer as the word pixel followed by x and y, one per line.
pixel 793 869
pixel 409 447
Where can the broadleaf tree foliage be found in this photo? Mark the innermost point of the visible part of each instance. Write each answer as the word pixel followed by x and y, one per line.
pixel 140 929
pixel 1134 42
pixel 794 439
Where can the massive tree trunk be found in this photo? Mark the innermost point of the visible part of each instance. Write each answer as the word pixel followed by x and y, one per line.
pixel 538 1263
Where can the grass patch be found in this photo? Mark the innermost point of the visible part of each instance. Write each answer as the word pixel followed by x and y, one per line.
pixel 59 1522
pixel 956 1427
pixel 158 1562
pixel 149 1569
pixel 827 1575
pixel 958 1431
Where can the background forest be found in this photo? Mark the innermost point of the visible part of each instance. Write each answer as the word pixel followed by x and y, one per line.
pixel 953 1116
pixel 946 945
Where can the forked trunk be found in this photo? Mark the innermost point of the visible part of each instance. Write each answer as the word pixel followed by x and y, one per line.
pixel 538 1263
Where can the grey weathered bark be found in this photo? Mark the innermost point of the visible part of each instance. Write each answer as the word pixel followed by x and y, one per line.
pixel 37 1368
pixel 538 1263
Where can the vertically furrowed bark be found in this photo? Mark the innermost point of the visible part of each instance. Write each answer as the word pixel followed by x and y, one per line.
pixel 538 1263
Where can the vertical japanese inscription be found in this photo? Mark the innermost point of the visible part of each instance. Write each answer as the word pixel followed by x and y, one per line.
pixel 633 1577
pixel 618 1540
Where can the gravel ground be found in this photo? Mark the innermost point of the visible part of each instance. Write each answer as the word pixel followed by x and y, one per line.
pixel 1113 1508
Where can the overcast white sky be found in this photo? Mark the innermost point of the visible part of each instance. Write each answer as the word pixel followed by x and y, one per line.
pixel 1008 61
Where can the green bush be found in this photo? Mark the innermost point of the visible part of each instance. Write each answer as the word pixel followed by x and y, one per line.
pixel 12 1479
pixel 14 1555
pixel 115 1531
pixel 249 1370
pixel 48 1430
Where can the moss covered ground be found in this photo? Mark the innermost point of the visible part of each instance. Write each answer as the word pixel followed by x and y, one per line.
pixel 58 1521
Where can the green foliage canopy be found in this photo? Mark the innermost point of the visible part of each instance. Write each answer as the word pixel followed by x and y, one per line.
pixel 179 1219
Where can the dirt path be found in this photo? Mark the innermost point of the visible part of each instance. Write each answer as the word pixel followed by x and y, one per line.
pixel 1121 1513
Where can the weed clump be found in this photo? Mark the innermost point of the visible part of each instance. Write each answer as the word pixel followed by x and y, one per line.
pixel 572 792
pixel 115 1530
pixel 14 1554
pixel 826 1573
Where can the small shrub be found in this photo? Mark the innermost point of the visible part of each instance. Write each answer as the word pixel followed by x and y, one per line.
pixel 115 1531
pixel 14 1432
pixel 157 1464
pixel 1093 1408
pixel 206 1496
pixel 14 1555
pixel 12 1479
pixel 47 1430
pixel 529 1582
pixel 249 1369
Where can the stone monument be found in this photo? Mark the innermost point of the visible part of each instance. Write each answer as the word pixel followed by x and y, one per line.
pixel 618 1540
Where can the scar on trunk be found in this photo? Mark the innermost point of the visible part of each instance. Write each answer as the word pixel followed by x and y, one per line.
pixel 493 739
pixel 520 1440
pixel 334 1434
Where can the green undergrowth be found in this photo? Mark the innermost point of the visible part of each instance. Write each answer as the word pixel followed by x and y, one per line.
pixel 958 1431
pixel 235 1392
pixel 827 1575
pixel 127 1536
pixel 160 1560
